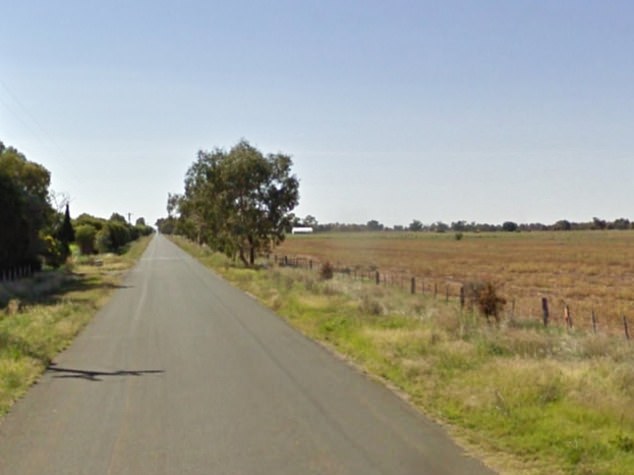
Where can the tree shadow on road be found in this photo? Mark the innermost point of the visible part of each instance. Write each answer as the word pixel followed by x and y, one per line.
pixel 89 375
pixel 51 287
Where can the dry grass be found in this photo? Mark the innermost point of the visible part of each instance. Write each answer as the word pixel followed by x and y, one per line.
pixel 54 307
pixel 591 270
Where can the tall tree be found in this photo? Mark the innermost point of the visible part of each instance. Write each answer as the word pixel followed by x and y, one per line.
pixel 24 208
pixel 239 202
pixel 66 232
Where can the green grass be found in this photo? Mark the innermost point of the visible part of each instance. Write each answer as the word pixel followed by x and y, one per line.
pixel 523 398
pixel 55 306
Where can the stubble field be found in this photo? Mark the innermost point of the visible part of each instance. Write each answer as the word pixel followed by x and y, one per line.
pixel 586 270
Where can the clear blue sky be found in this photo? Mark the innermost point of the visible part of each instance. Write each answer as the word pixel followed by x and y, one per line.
pixel 446 110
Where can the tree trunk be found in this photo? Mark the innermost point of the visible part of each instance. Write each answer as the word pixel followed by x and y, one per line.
pixel 242 258
pixel 251 250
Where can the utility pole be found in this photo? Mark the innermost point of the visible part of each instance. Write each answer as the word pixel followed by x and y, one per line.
pixel 130 218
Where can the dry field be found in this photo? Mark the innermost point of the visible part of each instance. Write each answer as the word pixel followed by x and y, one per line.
pixel 586 270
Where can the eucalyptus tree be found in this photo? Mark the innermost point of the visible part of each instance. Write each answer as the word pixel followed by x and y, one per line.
pixel 239 202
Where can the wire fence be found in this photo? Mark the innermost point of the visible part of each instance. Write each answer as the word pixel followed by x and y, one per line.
pixel 548 311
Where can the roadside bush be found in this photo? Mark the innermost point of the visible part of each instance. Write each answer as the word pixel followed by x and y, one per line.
pixel 370 306
pixel 103 242
pixel 119 235
pixel 483 296
pixel 327 271
pixel 489 303
pixel 143 230
pixel 55 252
pixel 85 237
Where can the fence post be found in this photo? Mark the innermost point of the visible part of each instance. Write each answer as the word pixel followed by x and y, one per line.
pixel 462 299
pixel 545 313
pixel 378 278
pixel 413 286
pixel 626 328
pixel 447 293
pixel 567 317
pixel 594 322
pixel 285 260
pixel 435 290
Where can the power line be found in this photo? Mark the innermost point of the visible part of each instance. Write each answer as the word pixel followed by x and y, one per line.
pixel 41 135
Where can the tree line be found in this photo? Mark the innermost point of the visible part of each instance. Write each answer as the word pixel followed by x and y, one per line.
pixel 238 202
pixel 464 226
pixel 34 233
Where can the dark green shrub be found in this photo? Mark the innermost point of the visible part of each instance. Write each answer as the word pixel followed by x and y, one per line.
pixel 119 235
pixel 85 235
pixel 103 243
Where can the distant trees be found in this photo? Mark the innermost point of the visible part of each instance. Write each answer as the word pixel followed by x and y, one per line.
pixel 465 227
pixel 238 202
pixel 509 227
pixel 33 233
pixel 310 221
pixel 439 227
pixel 374 225
pixel 100 235
pixel 598 223
pixel 415 225
pixel 562 225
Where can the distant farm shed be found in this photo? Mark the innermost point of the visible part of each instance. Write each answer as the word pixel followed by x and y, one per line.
pixel 302 230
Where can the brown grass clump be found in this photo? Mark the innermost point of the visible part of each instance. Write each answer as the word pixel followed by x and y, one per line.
pixel 326 271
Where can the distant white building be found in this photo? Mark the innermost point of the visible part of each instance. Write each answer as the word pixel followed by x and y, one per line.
pixel 302 230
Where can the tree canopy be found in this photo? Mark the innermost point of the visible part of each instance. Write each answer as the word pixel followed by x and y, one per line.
pixel 24 208
pixel 238 202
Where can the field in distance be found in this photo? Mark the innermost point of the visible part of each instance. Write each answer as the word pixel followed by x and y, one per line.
pixel 586 270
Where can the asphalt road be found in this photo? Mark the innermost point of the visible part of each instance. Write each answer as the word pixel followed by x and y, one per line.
pixel 182 374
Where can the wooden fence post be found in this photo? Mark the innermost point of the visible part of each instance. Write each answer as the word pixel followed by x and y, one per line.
pixel 567 317
pixel 626 328
pixel 545 313
pixel 594 322
pixel 413 286
pixel 447 293
pixel 462 299
pixel 435 290
pixel 378 278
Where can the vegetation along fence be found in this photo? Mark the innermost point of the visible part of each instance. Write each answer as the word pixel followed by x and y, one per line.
pixel 537 308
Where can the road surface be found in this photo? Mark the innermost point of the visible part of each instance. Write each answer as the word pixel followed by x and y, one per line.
pixel 180 373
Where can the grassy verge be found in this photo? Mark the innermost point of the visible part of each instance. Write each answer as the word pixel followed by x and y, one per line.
pixel 525 399
pixel 53 307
